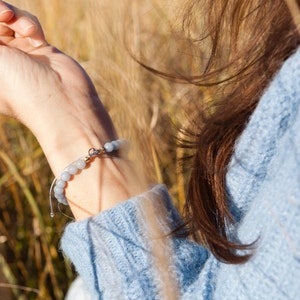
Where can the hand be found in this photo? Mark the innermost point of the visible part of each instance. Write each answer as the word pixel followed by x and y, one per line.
pixel 27 61
pixel 53 96
pixel 45 89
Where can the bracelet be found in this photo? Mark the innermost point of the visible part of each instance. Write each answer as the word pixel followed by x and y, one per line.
pixel 59 184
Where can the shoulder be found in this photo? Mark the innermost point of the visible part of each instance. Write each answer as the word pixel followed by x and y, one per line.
pixel 264 185
pixel 275 116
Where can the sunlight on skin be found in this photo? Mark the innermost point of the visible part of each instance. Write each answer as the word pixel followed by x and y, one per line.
pixel 63 94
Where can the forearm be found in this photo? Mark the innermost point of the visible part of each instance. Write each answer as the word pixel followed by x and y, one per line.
pixel 53 96
pixel 106 181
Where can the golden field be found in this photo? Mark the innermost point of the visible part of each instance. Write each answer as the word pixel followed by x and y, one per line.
pixel 102 35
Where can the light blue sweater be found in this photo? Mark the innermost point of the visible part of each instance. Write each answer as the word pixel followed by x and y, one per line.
pixel 111 250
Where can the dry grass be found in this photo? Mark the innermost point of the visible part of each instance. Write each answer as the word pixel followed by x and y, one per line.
pixel 145 109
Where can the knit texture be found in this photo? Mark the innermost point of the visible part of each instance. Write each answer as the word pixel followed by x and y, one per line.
pixel 112 250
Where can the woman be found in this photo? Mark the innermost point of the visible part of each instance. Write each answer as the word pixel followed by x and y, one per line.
pixel 243 197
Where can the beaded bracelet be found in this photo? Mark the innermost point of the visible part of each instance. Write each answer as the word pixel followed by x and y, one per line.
pixel 58 185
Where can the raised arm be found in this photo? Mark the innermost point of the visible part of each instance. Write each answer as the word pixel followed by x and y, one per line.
pixel 53 96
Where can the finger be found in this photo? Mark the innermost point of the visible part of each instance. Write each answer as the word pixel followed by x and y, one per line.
pixel 26 25
pixel 6 31
pixel 6 13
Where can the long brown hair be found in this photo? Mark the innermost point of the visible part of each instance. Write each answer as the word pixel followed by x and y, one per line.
pixel 249 42
pixel 242 44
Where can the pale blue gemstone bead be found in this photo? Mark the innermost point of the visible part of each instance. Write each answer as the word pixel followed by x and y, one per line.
pixel 65 176
pixel 109 147
pixel 115 145
pixel 59 196
pixel 58 190
pixel 80 164
pixel 60 183
pixel 72 169
pixel 63 201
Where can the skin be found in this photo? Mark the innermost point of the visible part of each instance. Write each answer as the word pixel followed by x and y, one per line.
pixel 53 96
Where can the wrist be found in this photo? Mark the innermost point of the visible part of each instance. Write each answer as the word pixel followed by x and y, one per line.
pixel 67 134
pixel 106 181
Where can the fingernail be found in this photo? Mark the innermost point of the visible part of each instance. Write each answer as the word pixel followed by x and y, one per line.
pixel 26 25
pixel 35 43
pixel 6 12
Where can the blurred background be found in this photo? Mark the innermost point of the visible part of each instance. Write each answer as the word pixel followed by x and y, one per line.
pixel 103 36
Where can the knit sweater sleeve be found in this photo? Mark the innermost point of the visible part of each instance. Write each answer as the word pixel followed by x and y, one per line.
pixel 112 251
